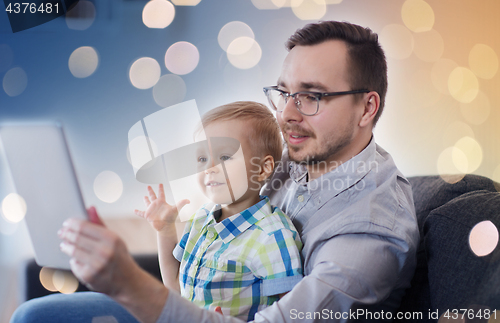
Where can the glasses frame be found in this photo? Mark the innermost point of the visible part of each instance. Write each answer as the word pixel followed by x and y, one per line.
pixel 317 95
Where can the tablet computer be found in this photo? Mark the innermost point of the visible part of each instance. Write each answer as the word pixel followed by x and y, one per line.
pixel 43 175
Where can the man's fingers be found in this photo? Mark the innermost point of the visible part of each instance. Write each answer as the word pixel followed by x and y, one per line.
pixel 85 228
pixel 93 216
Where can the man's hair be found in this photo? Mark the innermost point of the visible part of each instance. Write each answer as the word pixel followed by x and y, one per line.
pixel 265 135
pixel 366 59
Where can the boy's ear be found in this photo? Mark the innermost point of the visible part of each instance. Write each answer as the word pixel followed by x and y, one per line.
pixel 266 168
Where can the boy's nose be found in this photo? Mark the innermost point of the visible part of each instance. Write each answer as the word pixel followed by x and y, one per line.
pixel 213 169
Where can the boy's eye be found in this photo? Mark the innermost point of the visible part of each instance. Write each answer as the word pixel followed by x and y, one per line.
pixel 225 157
pixel 202 159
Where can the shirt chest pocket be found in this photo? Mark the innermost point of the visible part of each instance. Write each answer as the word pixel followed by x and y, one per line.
pixel 223 269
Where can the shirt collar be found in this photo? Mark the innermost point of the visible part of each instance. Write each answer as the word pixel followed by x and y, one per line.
pixel 230 228
pixel 341 178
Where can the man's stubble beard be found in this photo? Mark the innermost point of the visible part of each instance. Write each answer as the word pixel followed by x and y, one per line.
pixel 332 147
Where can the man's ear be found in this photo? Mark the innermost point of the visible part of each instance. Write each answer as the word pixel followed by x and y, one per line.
pixel 266 168
pixel 371 104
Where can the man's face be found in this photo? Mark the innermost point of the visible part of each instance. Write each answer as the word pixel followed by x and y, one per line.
pixel 326 136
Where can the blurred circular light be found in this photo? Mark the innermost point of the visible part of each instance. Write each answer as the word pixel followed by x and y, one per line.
pixel 108 186
pixel 417 15
pixel 483 238
pixel 186 2
pixel 473 153
pixel 447 167
pixel 15 81
pixel 6 57
pixel 81 16
pixel 440 74
pixel 233 30
pixel 268 4
pixel 455 131
pixel 397 41
pixel 463 85
pixel 478 110
pixel 46 278
pixel 83 62
pixel 309 9
pixel 64 281
pixel 158 14
pixel 244 53
pixel 14 208
pixel 144 73
pixel 483 61
pixel 182 58
pixel 169 90
pixel 429 45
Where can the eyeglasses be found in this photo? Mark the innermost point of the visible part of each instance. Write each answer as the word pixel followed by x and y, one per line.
pixel 306 102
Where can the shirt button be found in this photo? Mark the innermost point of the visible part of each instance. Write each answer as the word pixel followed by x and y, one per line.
pixel 300 198
pixel 210 235
pixel 220 265
pixel 196 262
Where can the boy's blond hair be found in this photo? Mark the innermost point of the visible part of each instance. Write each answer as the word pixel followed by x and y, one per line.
pixel 265 133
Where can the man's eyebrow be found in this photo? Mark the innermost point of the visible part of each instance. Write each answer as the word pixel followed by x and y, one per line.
pixel 280 83
pixel 313 85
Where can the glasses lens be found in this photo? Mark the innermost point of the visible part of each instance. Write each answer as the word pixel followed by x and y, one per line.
pixel 276 99
pixel 307 104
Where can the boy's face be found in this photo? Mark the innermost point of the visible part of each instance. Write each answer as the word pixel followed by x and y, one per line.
pixel 227 167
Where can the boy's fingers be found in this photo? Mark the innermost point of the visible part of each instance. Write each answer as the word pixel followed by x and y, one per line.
pixel 181 204
pixel 152 194
pixel 161 192
pixel 139 213
pixel 147 201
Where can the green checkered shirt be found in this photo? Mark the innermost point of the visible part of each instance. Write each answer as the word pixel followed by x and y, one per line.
pixel 241 263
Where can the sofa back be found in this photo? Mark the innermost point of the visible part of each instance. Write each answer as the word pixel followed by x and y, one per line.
pixel 448 274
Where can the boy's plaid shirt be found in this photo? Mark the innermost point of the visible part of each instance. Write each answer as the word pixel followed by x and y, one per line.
pixel 241 263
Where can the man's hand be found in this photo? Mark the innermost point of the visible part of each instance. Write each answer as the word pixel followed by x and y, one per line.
pixel 159 213
pixel 99 258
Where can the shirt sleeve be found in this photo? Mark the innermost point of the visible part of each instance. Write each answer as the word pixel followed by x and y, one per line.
pixel 350 272
pixel 181 246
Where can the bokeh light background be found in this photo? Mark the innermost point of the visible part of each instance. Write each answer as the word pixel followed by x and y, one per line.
pixel 108 64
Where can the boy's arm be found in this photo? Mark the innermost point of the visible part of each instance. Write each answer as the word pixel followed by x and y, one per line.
pixel 169 266
pixel 162 217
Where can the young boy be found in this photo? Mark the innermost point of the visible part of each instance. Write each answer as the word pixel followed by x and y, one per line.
pixel 243 253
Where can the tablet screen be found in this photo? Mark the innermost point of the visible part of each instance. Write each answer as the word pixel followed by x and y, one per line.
pixel 44 176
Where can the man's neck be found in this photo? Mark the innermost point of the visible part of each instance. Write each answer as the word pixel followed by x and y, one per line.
pixel 317 170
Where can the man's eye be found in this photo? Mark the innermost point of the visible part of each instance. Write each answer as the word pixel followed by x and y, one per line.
pixel 225 157
pixel 309 97
pixel 202 159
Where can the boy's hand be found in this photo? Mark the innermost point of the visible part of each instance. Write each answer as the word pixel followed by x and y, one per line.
pixel 159 213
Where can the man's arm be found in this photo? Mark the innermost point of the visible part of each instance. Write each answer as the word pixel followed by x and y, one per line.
pixel 349 271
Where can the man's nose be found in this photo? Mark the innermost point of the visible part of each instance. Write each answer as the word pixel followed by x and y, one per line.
pixel 290 112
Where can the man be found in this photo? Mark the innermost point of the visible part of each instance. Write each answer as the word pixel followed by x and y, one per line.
pixel 352 207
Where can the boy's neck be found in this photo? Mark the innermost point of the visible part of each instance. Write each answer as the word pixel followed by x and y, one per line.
pixel 238 206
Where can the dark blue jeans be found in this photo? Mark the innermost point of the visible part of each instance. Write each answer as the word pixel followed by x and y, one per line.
pixel 83 307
